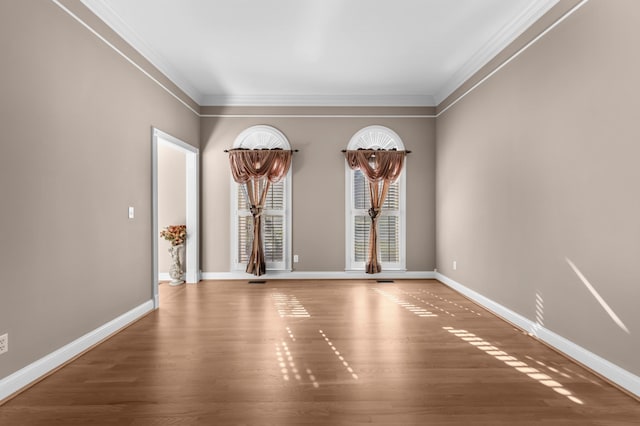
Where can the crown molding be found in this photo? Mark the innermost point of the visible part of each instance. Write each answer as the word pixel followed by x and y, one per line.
pixel 495 70
pixel 494 46
pixel 318 100
pixel 103 11
pixel 535 10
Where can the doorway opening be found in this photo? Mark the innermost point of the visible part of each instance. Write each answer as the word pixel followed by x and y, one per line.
pixel 192 208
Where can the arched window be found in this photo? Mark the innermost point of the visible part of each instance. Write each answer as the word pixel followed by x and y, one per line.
pixel 276 232
pixel 391 224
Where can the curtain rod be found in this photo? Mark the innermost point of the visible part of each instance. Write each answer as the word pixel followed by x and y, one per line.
pixel 389 150
pixel 266 149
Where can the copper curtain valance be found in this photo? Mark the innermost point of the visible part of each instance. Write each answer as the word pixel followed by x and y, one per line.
pixel 381 168
pixel 257 169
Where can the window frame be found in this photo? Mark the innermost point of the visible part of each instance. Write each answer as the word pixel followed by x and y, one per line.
pixel 363 139
pixel 275 139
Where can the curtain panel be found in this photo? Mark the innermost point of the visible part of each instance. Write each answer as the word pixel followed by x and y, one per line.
pixel 257 169
pixel 381 168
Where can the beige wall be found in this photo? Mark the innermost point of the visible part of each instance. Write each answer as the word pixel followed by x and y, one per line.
pixel 540 164
pixel 534 167
pixel 172 197
pixel 318 182
pixel 76 124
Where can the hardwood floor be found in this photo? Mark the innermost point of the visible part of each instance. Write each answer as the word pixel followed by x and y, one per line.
pixel 320 353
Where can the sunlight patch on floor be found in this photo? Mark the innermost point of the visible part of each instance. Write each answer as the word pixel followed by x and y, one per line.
pixel 291 336
pixel 457 305
pixel 285 362
pixel 344 362
pixel 417 310
pixel 513 362
pixel 289 306
pixel 444 311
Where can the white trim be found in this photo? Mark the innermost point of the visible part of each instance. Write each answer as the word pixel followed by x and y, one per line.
pixel 164 276
pixel 233 225
pixel 175 141
pixel 237 100
pixel 118 51
pixel 320 275
pixel 495 45
pixel 154 219
pixel 403 216
pixel 106 13
pixel 36 370
pixel 192 172
pixel 288 217
pixel 514 56
pixel 314 116
pixel 192 244
pixel 612 372
pixel 335 100
pixel 318 100
pixel 348 217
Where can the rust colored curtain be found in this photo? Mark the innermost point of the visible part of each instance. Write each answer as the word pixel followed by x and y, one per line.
pixel 381 168
pixel 257 170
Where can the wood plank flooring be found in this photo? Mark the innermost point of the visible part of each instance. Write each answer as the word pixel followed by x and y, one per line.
pixel 320 353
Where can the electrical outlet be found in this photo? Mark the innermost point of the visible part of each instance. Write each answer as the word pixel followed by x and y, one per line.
pixel 4 343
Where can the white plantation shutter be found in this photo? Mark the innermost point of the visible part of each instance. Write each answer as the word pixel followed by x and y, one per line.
pixel 273 222
pixel 273 227
pixel 388 222
pixel 272 239
pixel 361 237
pixel 389 247
pixel 245 223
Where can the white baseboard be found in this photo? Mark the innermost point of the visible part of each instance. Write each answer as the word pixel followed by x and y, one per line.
pixel 164 276
pixel 38 369
pixel 607 369
pixel 319 275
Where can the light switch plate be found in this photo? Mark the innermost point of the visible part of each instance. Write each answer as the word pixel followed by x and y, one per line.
pixel 131 212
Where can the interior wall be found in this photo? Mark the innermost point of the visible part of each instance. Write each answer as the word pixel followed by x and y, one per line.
pixel 535 172
pixel 536 177
pixel 76 153
pixel 172 198
pixel 318 180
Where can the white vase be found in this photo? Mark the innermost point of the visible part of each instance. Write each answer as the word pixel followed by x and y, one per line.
pixel 176 272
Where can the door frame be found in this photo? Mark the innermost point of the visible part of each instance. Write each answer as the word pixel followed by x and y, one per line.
pixel 192 161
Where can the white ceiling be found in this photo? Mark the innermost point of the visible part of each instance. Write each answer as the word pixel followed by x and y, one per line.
pixel 319 52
